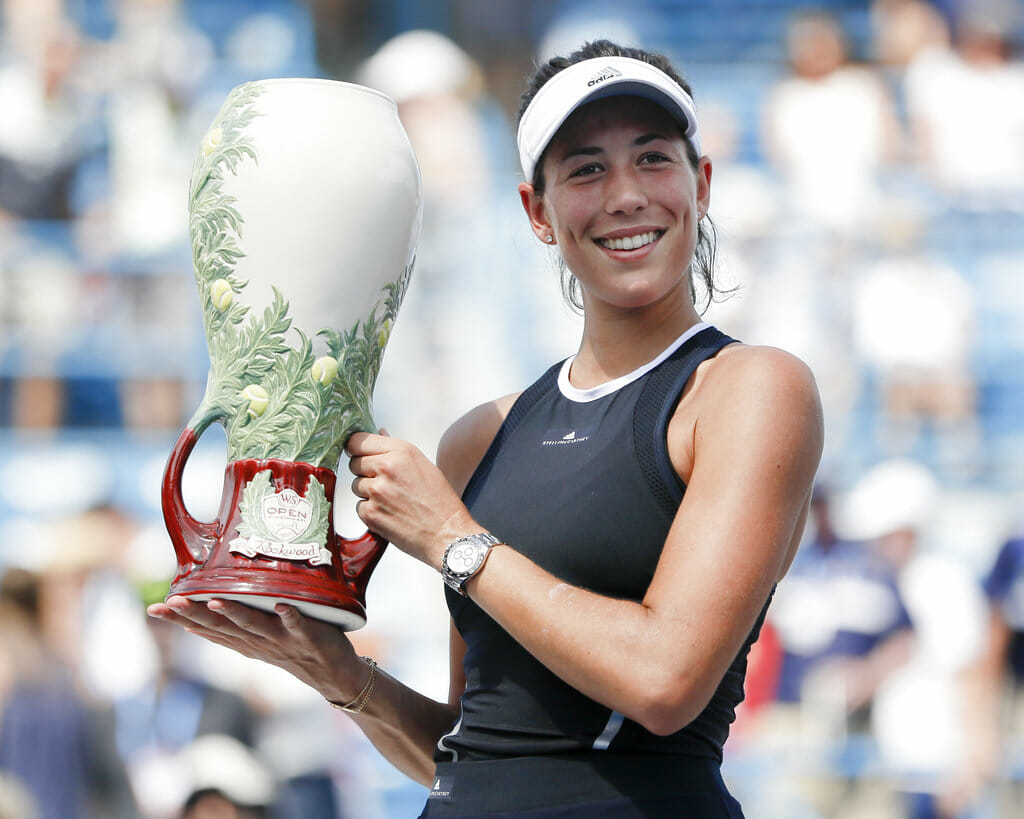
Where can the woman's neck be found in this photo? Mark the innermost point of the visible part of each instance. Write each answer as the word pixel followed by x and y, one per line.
pixel 617 343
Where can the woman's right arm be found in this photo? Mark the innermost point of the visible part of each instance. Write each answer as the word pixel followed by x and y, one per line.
pixel 402 724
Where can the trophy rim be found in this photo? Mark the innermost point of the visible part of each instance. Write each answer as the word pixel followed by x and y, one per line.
pixel 324 81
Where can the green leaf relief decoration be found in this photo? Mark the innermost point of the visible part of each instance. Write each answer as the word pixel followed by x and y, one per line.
pixel 275 400
pixel 249 506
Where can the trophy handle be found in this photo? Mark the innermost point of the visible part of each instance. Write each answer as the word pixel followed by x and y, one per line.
pixel 359 557
pixel 192 539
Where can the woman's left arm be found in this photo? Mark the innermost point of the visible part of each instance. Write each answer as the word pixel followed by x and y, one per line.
pixel 751 443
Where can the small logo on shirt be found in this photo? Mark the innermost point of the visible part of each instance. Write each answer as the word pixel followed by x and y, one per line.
pixel 442 787
pixel 564 437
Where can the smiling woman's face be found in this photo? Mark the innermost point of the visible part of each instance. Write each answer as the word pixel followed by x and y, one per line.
pixel 622 200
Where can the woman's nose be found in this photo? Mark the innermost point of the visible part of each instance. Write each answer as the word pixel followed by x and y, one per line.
pixel 624 191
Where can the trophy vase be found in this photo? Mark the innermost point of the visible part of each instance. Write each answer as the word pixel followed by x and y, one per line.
pixel 304 204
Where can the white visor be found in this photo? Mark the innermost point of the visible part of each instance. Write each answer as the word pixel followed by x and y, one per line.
pixel 591 80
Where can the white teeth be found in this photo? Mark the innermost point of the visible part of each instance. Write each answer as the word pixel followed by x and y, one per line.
pixel 630 242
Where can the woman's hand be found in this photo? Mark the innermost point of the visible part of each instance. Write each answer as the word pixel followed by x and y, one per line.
pixel 405 498
pixel 317 653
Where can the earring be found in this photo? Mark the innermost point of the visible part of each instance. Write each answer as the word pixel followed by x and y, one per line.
pixel 549 239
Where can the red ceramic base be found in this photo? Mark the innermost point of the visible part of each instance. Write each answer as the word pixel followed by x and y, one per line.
pixel 263 592
pixel 215 560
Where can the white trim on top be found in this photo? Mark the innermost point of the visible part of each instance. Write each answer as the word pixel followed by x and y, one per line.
pixel 607 388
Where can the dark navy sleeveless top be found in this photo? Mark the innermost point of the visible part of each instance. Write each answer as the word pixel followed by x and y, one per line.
pixel 581 483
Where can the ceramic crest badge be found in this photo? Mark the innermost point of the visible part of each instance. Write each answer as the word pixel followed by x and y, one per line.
pixel 304 205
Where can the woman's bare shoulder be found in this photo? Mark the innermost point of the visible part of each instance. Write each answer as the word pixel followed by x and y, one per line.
pixel 745 361
pixel 762 368
pixel 761 382
pixel 465 442
pixel 743 388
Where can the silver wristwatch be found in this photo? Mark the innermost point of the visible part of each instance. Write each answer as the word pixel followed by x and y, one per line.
pixel 464 558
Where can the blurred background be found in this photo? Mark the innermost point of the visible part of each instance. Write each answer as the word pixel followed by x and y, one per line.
pixel 869 199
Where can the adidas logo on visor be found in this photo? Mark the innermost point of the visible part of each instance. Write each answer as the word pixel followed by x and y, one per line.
pixel 605 73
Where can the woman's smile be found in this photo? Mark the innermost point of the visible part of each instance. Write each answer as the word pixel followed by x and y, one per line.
pixel 630 241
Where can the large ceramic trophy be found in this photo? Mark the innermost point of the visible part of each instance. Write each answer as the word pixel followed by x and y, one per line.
pixel 305 205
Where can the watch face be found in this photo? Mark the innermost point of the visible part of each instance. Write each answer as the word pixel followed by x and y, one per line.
pixel 463 558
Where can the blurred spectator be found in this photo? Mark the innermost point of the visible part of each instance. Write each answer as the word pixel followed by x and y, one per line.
pixel 143 671
pixel 441 94
pixel 913 324
pixel 47 134
pixel 226 780
pixel 894 704
pixel 213 804
pixel 156 723
pixel 296 735
pixel 996 684
pixel 41 284
pixel 841 622
pixel 902 29
pixel 920 716
pixel 156 62
pixel 59 744
pixel 93 607
pixel 840 629
pixel 1004 587
pixel 972 149
pixel 829 129
pixel 42 139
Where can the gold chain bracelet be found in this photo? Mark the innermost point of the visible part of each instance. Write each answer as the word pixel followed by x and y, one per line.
pixel 359 703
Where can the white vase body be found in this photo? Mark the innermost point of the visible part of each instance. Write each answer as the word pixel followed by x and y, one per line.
pixel 304 204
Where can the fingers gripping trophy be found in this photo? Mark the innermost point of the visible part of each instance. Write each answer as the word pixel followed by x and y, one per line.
pixel 305 205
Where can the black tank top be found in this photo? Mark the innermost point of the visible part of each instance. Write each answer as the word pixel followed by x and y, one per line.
pixel 581 483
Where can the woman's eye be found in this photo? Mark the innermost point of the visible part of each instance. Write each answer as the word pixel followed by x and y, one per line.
pixel 653 158
pixel 585 170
